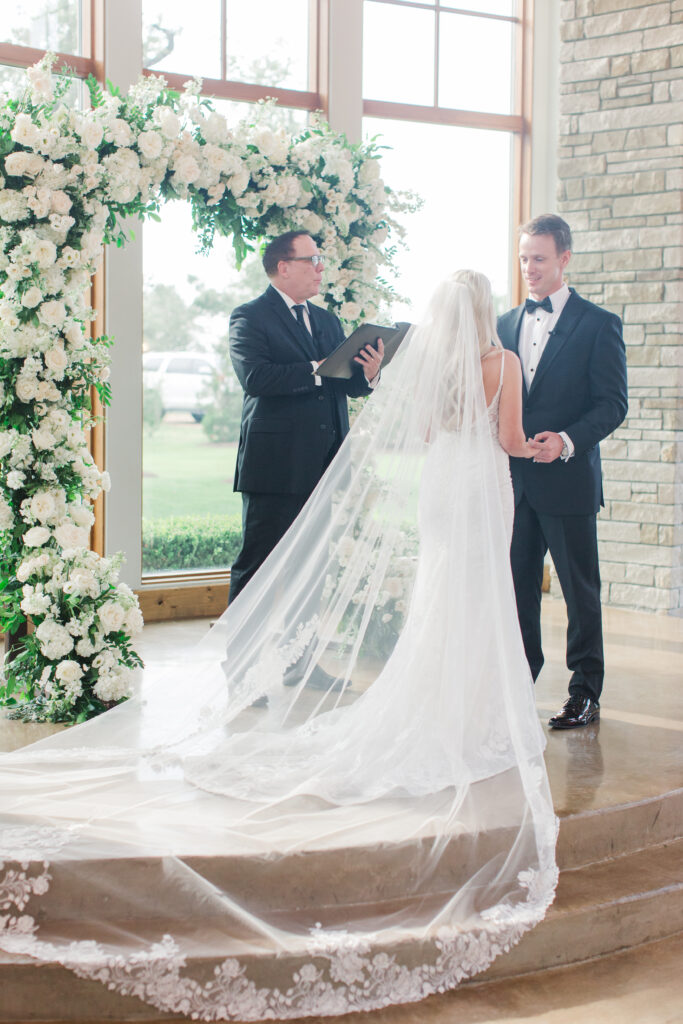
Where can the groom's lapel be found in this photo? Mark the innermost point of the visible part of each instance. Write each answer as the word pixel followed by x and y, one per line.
pixel 517 334
pixel 559 336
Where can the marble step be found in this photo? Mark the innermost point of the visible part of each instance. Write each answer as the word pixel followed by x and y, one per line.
pixel 600 909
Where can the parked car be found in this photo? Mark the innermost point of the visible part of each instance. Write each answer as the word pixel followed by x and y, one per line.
pixel 181 378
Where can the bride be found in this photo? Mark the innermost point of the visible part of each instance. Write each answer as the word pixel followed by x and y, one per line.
pixel 338 801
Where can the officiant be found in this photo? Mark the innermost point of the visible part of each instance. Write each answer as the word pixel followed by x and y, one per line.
pixel 293 420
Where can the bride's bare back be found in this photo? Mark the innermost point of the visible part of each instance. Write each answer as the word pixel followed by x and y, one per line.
pixel 510 429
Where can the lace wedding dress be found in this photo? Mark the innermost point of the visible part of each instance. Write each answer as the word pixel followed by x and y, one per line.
pixel 231 848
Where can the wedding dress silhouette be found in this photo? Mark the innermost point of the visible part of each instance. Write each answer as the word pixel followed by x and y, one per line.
pixel 243 849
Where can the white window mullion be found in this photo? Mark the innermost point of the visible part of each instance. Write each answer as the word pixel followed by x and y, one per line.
pixel 122 43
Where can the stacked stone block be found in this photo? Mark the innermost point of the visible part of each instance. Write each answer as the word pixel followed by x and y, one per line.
pixel 621 173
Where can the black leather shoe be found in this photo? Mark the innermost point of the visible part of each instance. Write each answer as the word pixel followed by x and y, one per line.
pixel 578 710
pixel 319 679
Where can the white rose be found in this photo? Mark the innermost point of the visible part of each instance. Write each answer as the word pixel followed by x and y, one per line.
pixel 43 438
pixel 68 535
pixel 91 134
pixel 150 145
pixel 52 313
pixel 75 334
pixel 350 311
pixel 25 388
pixel 168 122
pixel 238 182
pixel 187 169
pixel 119 132
pixel 68 671
pixel 82 515
pixel 24 131
pixel 44 252
pixel 56 359
pixel 43 506
pixel 111 616
pixel 23 164
pixel 60 202
pixel 31 297
pixel 36 536
pixel 46 391
pixel 15 479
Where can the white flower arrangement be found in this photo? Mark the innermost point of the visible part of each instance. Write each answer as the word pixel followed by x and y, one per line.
pixel 66 178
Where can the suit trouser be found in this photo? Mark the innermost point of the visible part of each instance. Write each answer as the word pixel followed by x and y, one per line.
pixel 265 520
pixel 573 545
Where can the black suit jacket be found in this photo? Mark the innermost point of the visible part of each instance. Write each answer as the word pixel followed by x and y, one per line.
pixel 290 427
pixel 579 388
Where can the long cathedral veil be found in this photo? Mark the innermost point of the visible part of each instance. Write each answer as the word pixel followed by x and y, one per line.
pixel 338 799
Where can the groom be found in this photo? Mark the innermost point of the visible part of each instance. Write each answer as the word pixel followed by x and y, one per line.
pixel 293 421
pixel 574 395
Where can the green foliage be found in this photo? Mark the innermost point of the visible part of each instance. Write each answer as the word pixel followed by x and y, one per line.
pixel 222 418
pixel 152 409
pixel 190 542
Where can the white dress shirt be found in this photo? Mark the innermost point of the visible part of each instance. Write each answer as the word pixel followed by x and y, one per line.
pixel 307 320
pixel 533 338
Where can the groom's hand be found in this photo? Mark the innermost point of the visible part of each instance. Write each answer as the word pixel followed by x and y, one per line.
pixel 370 359
pixel 548 446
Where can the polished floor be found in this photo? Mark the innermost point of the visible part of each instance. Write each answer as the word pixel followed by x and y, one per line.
pixel 634 753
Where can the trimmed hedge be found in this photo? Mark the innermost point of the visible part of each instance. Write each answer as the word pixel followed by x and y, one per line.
pixel 190 542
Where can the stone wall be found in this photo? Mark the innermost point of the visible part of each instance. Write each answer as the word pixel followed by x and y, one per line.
pixel 621 172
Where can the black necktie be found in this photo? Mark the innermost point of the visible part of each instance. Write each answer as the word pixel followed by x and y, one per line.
pixel 299 314
pixel 531 306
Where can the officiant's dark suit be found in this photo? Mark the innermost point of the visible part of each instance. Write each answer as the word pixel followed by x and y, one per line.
pixel 293 421
pixel 574 395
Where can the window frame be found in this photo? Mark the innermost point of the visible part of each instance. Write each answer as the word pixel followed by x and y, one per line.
pixel 183 594
pixel 517 123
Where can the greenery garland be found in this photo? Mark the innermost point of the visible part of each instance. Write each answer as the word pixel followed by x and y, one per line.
pixel 67 180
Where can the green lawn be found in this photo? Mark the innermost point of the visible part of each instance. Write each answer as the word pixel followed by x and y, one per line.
pixel 184 474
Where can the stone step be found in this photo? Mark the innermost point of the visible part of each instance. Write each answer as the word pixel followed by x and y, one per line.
pixel 390 874
pixel 600 909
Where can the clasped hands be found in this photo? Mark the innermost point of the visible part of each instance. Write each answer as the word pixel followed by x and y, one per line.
pixel 370 358
pixel 547 446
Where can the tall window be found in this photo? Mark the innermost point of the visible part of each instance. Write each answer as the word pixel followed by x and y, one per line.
pixel 448 104
pixel 29 27
pixel 192 400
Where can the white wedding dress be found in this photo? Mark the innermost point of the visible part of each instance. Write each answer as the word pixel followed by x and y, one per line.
pixel 171 849
pixel 419 728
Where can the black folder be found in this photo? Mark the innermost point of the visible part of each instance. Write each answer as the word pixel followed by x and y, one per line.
pixel 341 362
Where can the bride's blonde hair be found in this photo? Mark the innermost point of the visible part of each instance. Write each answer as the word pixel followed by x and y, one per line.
pixel 479 288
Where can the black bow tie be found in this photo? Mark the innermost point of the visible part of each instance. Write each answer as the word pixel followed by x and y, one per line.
pixel 531 306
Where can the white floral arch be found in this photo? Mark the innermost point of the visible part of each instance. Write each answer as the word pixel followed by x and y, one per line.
pixel 67 178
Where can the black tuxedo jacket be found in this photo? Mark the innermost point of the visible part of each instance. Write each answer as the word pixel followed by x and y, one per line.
pixel 579 388
pixel 290 427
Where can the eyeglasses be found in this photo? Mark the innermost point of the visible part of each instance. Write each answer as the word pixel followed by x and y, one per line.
pixel 317 261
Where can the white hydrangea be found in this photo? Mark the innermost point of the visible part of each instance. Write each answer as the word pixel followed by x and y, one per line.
pixel 54 640
pixel 113 686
